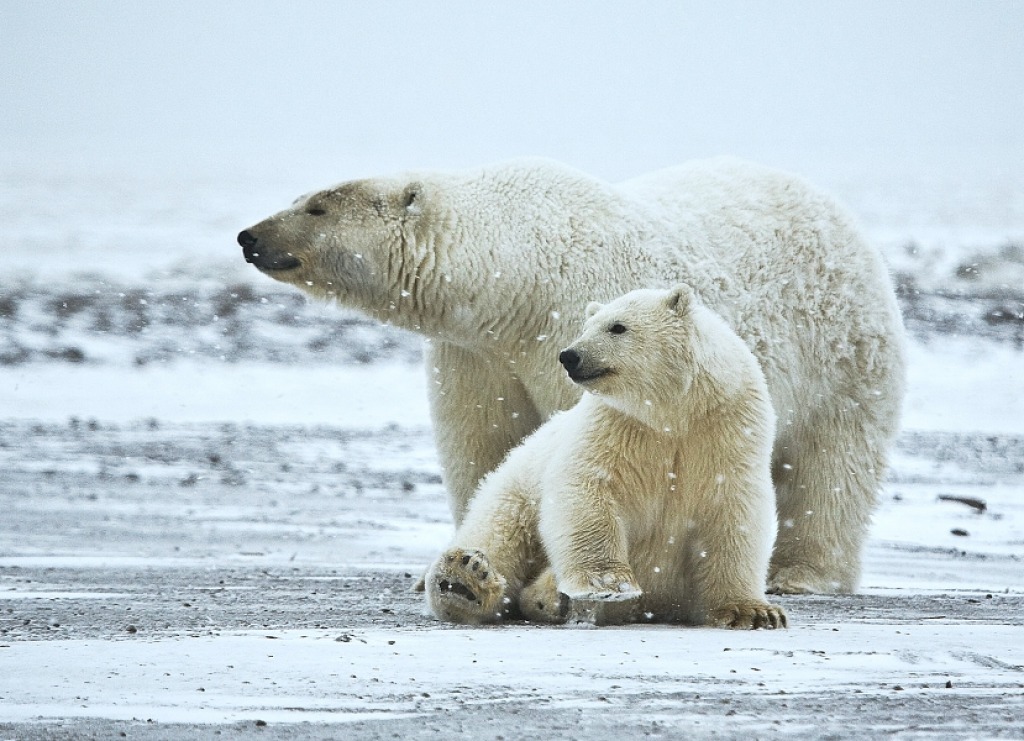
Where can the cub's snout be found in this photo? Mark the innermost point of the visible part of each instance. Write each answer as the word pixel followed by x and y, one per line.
pixel 570 360
pixel 581 369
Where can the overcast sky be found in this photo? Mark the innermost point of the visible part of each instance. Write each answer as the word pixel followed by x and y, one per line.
pixel 613 87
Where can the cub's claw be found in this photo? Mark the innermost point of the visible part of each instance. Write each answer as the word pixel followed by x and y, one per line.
pixel 749 616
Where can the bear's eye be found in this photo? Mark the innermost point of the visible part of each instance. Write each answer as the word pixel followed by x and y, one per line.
pixel 315 211
pixel 617 328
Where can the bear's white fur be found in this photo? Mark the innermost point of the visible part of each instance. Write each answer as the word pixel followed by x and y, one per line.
pixel 654 491
pixel 495 267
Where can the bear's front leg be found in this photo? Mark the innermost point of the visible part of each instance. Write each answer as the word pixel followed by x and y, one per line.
pixel 463 587
pixel 480 411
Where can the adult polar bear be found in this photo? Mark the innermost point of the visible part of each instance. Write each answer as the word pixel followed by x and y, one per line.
pixel 496 266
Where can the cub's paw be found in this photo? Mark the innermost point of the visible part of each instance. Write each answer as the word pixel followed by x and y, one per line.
pixel 749 615
pixel 609 597
pixel 541 601
pixel 616 583
pixel 463 588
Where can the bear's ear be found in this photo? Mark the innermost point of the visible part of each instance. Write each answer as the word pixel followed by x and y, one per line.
pixel 411 197
pixel 592 308
pixel 680 299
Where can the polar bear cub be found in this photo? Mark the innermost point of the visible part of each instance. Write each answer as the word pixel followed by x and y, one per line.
pixel 650 499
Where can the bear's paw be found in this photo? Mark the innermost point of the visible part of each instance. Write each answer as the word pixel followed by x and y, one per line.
pixel 803 580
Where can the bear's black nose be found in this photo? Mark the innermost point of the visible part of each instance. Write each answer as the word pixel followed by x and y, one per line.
pixel 263 258
pixel 570 359
pixel 245 239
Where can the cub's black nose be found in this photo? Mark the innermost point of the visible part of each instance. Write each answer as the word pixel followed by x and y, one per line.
pixel 570 359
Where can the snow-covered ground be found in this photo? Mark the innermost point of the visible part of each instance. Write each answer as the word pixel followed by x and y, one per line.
pixel 179 433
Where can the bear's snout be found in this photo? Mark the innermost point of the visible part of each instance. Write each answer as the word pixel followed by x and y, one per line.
pixel 262 257
pixel 246 239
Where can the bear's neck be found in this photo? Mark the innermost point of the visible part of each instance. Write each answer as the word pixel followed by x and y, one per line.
pixel 499 269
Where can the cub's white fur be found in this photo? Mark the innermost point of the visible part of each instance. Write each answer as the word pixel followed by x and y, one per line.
pixel 653 492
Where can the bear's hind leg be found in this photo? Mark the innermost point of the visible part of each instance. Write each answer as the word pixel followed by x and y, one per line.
pixel 826 490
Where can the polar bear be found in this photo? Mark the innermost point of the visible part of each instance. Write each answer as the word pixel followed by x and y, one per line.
pixel 655 490
pixel 495 267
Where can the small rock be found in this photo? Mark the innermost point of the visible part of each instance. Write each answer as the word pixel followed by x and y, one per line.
pixel 978 505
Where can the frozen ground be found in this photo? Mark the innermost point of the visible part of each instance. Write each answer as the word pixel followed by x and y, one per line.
pixel 216 497
pixel 159 575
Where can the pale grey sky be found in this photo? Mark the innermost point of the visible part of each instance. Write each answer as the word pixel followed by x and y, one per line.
pixel 612 87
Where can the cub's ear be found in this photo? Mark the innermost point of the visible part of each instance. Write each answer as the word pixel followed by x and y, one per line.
pixel 411 196
pixel 680 299
pixel 592 308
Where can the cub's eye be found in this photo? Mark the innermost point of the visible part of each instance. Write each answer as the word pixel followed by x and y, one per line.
pixel 617 328
pixel 315 211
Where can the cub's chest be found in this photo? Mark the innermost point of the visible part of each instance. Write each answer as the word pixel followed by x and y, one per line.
pixel 636 465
